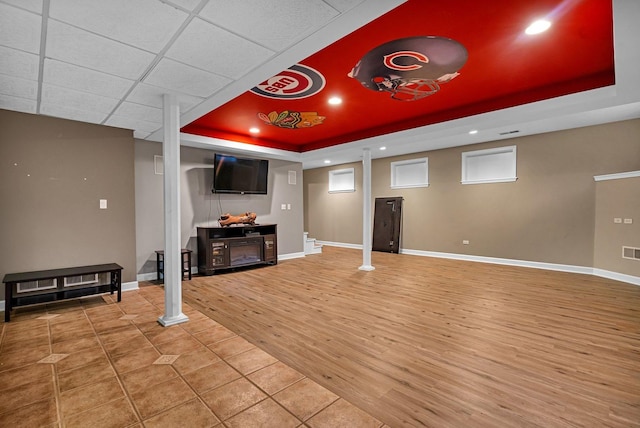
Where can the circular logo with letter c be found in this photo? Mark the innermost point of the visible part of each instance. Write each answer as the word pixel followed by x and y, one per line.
pixel 296 82
pixel 390 60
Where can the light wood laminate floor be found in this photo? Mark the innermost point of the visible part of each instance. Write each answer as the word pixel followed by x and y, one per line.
pixel 442 343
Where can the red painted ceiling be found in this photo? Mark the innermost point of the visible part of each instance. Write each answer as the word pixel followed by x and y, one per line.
pixel 504 68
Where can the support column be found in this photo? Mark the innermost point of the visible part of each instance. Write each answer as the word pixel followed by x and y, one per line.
pixel 366 211
pixel 172 239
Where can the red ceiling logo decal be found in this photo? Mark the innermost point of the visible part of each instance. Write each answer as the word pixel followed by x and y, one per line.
pixel 411 68
pixel 298 81
pixel 389 60
pixel 292 119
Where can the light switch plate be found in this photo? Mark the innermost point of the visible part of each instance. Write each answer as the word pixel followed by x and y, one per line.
pixel 103 204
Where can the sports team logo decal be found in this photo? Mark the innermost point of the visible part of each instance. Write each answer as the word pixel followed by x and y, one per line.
pixel 298 81
pixel 411 68
pixel 292 119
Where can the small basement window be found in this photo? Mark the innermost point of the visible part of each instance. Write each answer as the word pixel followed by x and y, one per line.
pixel 342 180
pixel 410 173
pixel 489 166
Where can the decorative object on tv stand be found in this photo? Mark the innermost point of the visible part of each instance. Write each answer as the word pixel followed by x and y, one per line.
pixel 246 218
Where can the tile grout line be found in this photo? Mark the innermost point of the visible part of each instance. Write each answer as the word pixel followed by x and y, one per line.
pixel 56 381
pixel 178 372
pixel 245 376
pixel 97 336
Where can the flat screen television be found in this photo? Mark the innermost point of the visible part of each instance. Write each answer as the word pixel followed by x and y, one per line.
pixel 232 174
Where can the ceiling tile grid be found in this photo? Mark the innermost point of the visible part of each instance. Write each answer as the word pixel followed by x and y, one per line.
pixel 32 5
pixel 145 24
pixel 17 87
pixel 275 24
pixel 85 80
pixel 90 60
pixel 56 109
pixel 76 46
pixel 180 77
pixel 150 95
pixel 140 112
pixel 131 123
pixel 215 50
pixel 57 95
pixel 18 63
pixel 189 5
pixel 7 102
pixel 20 29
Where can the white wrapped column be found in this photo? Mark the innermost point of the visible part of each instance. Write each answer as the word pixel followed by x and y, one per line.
pixel 172 239
pixel 366 211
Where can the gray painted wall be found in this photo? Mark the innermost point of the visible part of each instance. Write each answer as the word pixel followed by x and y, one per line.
pixel 54 173
pixel 547 215
pixel 199 207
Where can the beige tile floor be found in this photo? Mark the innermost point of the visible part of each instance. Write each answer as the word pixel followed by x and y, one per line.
pixel 93 362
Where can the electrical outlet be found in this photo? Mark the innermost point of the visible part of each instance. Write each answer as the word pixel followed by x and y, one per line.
pixel 617 220
pixel 465 242
pixel 628 221
pixel 103 204
pixel 283 207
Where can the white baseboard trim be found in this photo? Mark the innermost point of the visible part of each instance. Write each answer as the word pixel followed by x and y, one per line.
pixel 291 256
pixel 587 270
pixel 500 261
pixel 635 280
pixel 152 276
pixel 126 286
pixel 130 286
pixel 149 276
pixel 341 244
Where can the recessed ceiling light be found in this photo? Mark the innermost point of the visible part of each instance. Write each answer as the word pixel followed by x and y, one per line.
pixel 473 131
pixel 538 27
pixel 334 101
pixel 254 130
pixel 327 161
pixel 383 148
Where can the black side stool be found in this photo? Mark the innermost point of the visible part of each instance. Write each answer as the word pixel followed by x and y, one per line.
pixel 186 263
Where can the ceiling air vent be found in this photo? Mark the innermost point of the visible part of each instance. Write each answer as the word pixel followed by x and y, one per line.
pixel 631 253
pixel 515 131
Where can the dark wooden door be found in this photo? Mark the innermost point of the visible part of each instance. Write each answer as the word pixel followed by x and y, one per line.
pixel 386 225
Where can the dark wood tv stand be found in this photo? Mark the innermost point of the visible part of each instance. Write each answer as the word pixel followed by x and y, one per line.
pixel 236 246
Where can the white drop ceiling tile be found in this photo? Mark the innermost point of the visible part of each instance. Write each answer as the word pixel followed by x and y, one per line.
pixel 150 95
pixel 20 29
pixel 32 5
pixel 18 104
pixel 274 23
pixel 344 5
pixel 18 63
pixel 85 80
pixel 17 87
pixel 139 112
pixel 182 78
pixel 147 24
pixel 57 110
pixel 186 4
pixel 130 123
pixel 141 134
pixel 77 100
pixel 76 46
pixel 205 46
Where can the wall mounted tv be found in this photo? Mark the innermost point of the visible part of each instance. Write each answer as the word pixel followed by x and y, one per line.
pixel 232 174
